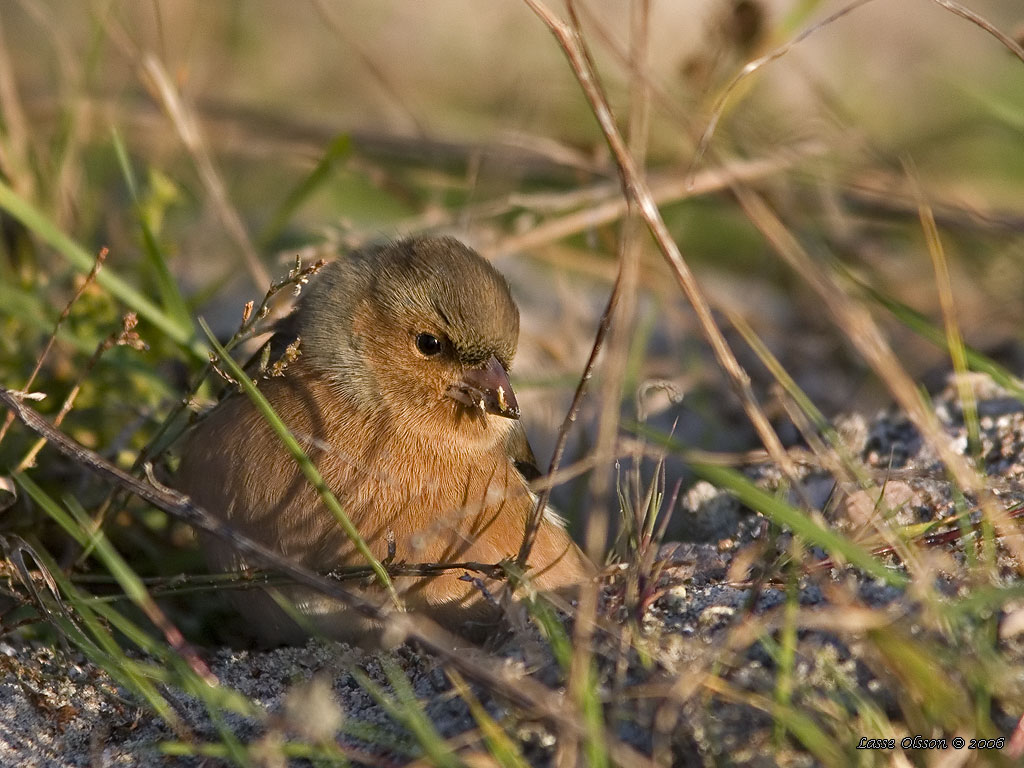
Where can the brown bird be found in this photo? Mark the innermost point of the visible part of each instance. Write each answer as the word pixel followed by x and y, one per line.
pixel 400 395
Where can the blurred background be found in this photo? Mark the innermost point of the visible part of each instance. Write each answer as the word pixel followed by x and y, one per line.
pixel 213 143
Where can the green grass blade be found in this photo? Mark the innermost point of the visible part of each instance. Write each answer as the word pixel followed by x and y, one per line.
pixel 302 460
pixel 406 709
pixel 500 745
pixel 83 261
pixel 338 149
pixel 216 698
pixel 101 648
pixel 170 295
pixel 786 657
pixel 783 514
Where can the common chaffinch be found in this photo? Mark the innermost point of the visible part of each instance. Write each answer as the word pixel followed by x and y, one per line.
pixel 401 397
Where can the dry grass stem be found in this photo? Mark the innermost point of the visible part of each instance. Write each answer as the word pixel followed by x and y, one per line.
pixel 65 313
pixel 867 337
pixel 635 189
pixel 567 423
pixel 621 326
pixel 966 13
pixel 671 187
pixel 191 137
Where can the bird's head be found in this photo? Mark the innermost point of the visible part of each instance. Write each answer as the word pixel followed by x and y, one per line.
pixel 423 330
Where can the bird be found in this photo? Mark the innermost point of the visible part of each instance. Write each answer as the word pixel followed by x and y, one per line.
pixel 400 395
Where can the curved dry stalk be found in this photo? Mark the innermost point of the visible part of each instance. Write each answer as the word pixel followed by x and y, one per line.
pixel 533 524
pixel 636 189
pixel 966 13
pixel 753 66
pixel 868 339
pixel 185 124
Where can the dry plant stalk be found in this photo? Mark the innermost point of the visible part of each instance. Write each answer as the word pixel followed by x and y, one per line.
pixel 533 524
pixel 665 188
pixel 123 337
pixel 870 342
pixel 65 313
pixel 966 13
pixel 188 130
pixel 635 189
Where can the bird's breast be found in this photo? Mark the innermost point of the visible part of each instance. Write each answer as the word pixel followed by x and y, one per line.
pixel 436 500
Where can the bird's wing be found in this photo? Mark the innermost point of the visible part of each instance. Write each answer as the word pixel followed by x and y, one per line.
pixel 517 445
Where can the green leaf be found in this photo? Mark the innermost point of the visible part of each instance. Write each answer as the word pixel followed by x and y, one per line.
pixel 170 294
pixel 83 261
pixel 338 149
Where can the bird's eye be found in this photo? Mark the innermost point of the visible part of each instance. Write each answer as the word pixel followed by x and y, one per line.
pixel 428 344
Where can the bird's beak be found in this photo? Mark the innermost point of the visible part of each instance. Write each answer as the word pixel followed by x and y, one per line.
pixel 488 389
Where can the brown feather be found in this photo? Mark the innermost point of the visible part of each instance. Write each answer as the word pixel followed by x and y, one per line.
pixel 412 464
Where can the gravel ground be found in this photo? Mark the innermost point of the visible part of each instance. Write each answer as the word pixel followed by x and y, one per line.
pixel 57 709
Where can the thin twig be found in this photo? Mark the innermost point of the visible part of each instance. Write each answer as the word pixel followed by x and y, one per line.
pixel 533 524
pixel 100 258
pixel 254 577
pixel 124 336
pixel 929 540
